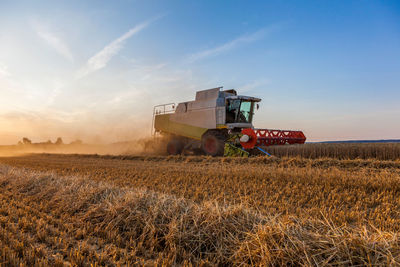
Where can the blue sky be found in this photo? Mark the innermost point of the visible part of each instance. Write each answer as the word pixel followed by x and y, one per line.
pixel 94 69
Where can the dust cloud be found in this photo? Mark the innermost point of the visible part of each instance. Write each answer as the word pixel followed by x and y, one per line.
pixel 36 133
pixel 143 146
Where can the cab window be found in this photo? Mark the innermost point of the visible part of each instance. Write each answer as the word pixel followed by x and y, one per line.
pixel 239 111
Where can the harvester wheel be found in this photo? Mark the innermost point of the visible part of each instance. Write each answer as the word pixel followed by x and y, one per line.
pixel 213 143
pixel 174 147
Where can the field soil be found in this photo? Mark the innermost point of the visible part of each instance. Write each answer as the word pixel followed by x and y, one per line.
pixel 117 210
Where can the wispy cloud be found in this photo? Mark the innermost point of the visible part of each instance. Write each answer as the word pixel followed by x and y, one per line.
pixel 4 70
pixel 247 38
pixel 100 60
pixel 53 41
pixel 253 85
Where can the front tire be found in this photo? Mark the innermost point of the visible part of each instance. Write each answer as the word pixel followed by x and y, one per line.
pixel 213 143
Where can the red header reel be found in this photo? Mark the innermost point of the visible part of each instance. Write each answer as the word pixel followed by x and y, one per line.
pixel 248 139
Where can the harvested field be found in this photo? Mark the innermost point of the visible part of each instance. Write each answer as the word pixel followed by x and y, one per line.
pixel 114 210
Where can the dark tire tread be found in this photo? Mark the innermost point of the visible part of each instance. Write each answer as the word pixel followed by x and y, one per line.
pixel 177 147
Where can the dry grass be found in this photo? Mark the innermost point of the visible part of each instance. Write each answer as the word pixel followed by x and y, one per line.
pixel 118 210
pixel 381 151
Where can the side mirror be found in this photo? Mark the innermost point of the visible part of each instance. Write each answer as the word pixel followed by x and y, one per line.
pixel 257 106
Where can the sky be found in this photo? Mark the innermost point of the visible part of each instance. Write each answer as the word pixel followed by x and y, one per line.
pixel 93 70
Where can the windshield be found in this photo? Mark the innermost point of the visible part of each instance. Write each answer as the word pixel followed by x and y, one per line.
pixel 239 111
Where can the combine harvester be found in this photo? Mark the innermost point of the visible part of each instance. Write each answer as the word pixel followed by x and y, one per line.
pixel 217 123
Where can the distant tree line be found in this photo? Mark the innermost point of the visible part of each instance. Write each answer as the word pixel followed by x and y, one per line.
pixel 59 141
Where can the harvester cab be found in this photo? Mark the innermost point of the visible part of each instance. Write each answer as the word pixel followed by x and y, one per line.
pixel 217 123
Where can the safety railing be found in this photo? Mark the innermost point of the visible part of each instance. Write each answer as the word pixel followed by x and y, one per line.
pixel 161 109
